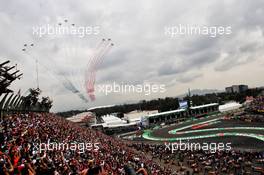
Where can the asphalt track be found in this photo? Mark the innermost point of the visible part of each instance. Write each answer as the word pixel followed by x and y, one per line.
pixel 212 129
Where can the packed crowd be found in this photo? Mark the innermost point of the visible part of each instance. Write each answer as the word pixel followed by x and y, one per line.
pixel 22 151
pixel 257 104
pixel 250 118
pixel 205 162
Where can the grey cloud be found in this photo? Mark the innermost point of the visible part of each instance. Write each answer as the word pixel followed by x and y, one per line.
pixel 142 52
pixel 189 78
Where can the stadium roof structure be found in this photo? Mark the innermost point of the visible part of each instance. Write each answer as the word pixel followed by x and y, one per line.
pixel 182 110
pixel 135 116
pixel 167 112
pixel 204 106
pixel 229 106
pixel 114 125
pixel 7 77
pixel 79 117
pixel 100 107
pixel 111 120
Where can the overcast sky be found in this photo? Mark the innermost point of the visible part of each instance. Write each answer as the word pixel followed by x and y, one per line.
pixel 142 52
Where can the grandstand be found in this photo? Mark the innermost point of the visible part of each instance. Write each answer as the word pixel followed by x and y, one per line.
pixel 149 119
pixel 180 114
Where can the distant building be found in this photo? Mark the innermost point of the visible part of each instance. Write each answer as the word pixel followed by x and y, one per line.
pixel 236 88
pixel 229 89
pixel 243 88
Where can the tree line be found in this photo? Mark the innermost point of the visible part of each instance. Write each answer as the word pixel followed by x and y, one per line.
pixel 171 103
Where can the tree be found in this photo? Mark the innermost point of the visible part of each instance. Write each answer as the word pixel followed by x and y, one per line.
pixel 32 103
pixel 46 103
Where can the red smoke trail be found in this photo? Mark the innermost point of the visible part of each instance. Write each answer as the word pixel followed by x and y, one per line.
pixel 97 62
pixel 94 63
pixel 88 66
pixel 90 71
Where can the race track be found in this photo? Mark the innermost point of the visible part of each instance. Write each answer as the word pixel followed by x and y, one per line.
pixel 211 129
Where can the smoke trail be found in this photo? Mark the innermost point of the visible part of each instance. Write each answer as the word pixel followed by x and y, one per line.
pixel 97 64
pixel 97 61
pixel 65 81
pixel 90 69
